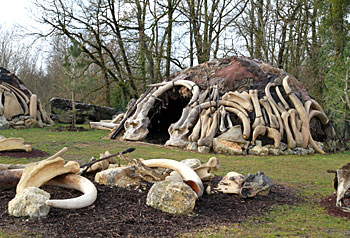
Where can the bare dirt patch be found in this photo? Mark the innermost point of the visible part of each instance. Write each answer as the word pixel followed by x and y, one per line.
pixel 121 212
pixel 23 154
pixel 329 204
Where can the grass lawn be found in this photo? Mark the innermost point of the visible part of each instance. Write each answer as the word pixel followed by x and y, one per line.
pixel 305 173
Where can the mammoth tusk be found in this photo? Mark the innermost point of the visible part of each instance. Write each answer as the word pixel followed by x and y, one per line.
pixel 234 105
pixel 259 130
pixel 320 115
pixel 196 130
pixel 291 142
pixel 188 84
pixel 188 175
pixel 229 122
pixel 275 135
pixel 279 94
pixel 75 182
pixel 307 106
pixel 305 127
pixel 274 108
pixel 238 98
pixel 297 135
pixel 273 119
pixel 205 123
pixel 223 113
pixel 270 98
pixel 245 121
pixel 208 140
pixel 258 114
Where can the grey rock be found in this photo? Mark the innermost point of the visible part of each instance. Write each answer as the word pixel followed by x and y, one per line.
pixel 172 197
pixel 84 112
pixel 256 184
pixel 117 177
pixel 203 149
pixel 192 146
pixel 234 134
pixel 259 150
pixel 193 163
pixel 4 124
pixel 30 202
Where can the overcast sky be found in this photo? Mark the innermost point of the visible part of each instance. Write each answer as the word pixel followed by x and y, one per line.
pixel 15 12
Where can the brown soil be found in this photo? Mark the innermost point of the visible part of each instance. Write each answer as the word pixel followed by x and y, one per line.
pixel 329 204
pixel 121 212
pixel 23 154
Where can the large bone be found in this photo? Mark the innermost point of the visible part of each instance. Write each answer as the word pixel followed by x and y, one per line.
pixel 46 118
pixel 290 140
pixel 9 144
pixel 197 129
pixel 293 122
pixel 223 113
pixel 205 123
pixel 73 181
pixel 37 174
pixel 273 119
pixel 238 98
pixel 189 176
pixel 275 135
pixel 18 95
pixel 12 107
pixel 245 121
pixel 33 106
pixel 208 140
pixel 259 130
pixel 279 94
pixel 18 91
pixel 1 103
pixel 270 98
pixel 231 183
pixel 305 127
pixel 274 107
pixel 203 171
pixel 320 115
pixel 258 114
pixel 341 183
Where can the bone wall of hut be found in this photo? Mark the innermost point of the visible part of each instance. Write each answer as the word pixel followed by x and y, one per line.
pixel 237 84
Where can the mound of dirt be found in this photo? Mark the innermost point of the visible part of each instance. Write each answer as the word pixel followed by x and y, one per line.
pixel 329 204
pixel 121 212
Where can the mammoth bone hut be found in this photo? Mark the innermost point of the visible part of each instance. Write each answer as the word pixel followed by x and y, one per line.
pixel 19 107
pixel 234 106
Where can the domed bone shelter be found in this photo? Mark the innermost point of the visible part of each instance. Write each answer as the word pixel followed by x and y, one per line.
pixel 206 101
pixel 19 107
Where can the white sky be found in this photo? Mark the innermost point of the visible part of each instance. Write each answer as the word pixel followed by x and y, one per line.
pixel 15 12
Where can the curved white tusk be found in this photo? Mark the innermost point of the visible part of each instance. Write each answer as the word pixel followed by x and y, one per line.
pixel 189 176
pixel 284 102
pixel 75 182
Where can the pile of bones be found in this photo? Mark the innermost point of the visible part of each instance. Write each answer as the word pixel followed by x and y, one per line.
pixel 183 182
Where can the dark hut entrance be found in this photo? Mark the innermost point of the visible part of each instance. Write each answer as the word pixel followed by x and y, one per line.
pixel 167 110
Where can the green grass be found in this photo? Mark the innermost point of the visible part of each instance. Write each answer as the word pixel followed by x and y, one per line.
pixel 307 174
